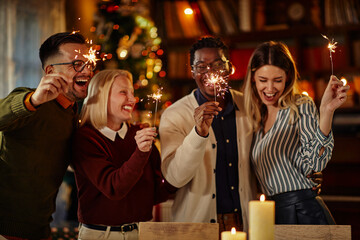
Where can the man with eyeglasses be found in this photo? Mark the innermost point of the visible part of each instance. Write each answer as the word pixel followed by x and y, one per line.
pixel 205 145
pixel 36 128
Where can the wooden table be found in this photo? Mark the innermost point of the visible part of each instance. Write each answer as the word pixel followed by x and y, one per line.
pixel 210 231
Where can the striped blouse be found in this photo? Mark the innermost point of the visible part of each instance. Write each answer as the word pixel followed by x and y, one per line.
pixel 288 152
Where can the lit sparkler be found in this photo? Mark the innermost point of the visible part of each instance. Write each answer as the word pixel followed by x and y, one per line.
pixel 218 82
pixel 156 97
pixel 91 56
pixel 331 47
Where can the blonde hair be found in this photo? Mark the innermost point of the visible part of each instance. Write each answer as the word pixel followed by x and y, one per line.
pixel 276 54
pixel 94 110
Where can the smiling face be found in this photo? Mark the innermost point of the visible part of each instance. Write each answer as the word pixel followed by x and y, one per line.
pixel 270 84
pixel 205 56
pixel 68 53
pixel 120 103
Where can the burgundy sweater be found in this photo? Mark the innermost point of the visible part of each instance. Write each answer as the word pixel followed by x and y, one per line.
pixel 117 183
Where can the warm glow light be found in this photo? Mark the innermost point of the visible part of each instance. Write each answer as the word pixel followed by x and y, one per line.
pixel 153 35
pixel 149 75
pixel 262 198
pixel 343 80
pixel 160 52
pixel 188 11
pixel 162 74
pixel 150 61
pixel 157 68
pixel 123 53
pixel 233 231
pixel 144 82
pixel 305 93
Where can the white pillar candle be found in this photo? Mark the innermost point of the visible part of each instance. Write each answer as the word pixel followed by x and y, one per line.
pixel 233 235
pixel 261 219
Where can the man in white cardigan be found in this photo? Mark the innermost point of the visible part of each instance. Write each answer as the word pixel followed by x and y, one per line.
pixel 205 147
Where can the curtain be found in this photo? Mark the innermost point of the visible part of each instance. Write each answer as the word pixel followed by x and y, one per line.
pixel 26 24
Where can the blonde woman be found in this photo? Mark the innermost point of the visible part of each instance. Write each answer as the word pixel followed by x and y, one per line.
pixel 290 140
pixel 117 166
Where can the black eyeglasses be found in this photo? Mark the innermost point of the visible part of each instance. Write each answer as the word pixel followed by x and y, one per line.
pixel 79 65
pixel 217 65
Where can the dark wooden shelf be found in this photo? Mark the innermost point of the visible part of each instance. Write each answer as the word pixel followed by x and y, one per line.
pixel 260 36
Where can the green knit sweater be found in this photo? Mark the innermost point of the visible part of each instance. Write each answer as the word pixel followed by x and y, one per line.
pixel 34 155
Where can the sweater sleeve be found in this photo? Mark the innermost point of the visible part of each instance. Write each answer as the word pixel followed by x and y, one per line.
pixel 13 111
pixel 312 140
pixel 92 161
pixel 182 149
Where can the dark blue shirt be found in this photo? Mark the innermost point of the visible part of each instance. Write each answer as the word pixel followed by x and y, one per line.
pixel 227 174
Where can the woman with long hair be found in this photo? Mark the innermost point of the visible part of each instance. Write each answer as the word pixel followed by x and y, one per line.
pixel 290 139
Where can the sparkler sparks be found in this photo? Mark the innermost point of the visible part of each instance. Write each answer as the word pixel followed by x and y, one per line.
pixel 156 97
pixel 331 47
pixel 91 56
pixel 218 82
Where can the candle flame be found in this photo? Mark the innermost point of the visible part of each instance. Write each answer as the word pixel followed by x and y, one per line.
pixel 262 198
pixel 343 80
pixel 188 11
pixel 233 231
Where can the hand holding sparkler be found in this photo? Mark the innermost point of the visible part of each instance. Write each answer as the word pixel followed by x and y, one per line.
pixel 203 116
pixel 49 88
pixel 335 94
pixel 145 137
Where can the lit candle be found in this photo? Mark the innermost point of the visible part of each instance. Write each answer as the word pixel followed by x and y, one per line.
pixel 343 80
pixel 233 235
pixel 261 219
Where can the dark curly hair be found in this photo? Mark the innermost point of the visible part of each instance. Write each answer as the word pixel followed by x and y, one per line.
pixel 208 42
pixel 51 45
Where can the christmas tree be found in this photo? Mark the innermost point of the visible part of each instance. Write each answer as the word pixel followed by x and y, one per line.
pixel 127 39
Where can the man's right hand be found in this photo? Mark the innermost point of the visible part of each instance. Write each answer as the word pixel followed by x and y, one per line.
pixel 316 177
pixel 204 115
pixel 49 88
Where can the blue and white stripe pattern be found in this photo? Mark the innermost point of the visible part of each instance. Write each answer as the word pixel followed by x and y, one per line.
pixel 288 152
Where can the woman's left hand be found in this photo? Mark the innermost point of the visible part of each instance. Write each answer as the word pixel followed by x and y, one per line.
pixel 334 96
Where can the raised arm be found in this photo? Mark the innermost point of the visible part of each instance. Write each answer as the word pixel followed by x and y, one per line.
pixel 184 136
pixel 334 96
